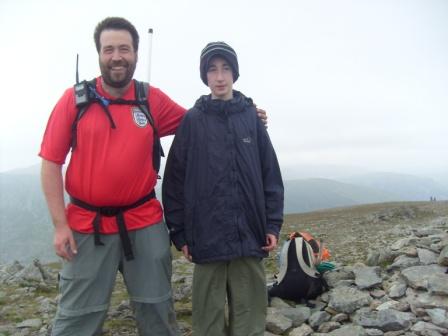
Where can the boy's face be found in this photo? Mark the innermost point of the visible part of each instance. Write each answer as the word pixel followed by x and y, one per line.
pixel 220 78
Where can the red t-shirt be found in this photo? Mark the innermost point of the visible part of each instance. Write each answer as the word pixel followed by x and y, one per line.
pixel 110 167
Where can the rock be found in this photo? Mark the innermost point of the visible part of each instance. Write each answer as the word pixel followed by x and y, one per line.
pixel 377 293
pixel 398 333
pixel 411 251
pixel 297 315
pixel 30 273
pixel 347 300
pixel 303 330
pixel 338 274
pixel 182 291
pixel 267 333
pixel 385 320
pixel 387 256
pixel 31 323
pixel 397 290
pixel 425 326
pixel 345 283
pixel 429 333
pixel 326 327
pixel 318 318
pixel 279 303
pixel 324 297
pixel 7 329
pixel 373 258
pixel 402 262
pixel 315 305
pixel 348 330
pixel 399 244
pixel 420 299
pixel 374 332
pixel 427 231
pixel 443 257
pixel 438 284
pixel 388 305
pixel 367 277
pixel 427 257
pixel 6 272
pixel 277 323
pixel 341 317
pixel 439 317
pixel 417 276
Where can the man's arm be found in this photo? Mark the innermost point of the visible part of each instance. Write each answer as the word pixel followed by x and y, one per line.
pixel 53 187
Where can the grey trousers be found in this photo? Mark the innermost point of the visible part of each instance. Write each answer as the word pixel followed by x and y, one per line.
pixel 86 284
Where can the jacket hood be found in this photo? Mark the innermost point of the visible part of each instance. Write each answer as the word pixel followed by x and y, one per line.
pixel 237 104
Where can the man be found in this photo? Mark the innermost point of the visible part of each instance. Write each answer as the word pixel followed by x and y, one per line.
pixel 110 178
pixel 223 201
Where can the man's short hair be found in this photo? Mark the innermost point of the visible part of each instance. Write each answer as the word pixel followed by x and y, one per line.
pixel 115 23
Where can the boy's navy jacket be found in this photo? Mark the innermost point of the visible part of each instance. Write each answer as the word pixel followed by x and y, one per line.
pixel 222 187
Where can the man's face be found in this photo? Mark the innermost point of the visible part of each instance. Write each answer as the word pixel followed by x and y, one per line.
pixel 220 78
pixel 117 58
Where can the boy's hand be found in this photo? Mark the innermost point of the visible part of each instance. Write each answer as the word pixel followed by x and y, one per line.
pixel 271 243
pixel 186 252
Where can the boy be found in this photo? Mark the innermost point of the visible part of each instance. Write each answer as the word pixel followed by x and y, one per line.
pixel 223 200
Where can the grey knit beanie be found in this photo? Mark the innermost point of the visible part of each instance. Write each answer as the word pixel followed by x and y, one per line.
pixel 218 49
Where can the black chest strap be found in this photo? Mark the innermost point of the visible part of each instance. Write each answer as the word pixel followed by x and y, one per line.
pixel 118 213
pixel 141 101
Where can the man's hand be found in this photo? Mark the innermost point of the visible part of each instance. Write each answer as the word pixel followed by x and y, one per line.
pixel 262 115
pixel 64 243
pixel 271 243
pixel 186 253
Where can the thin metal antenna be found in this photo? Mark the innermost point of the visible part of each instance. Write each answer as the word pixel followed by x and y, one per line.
pixel 150 32
pixel 77 74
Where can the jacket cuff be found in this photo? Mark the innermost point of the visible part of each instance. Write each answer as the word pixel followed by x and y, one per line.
pixel 274 230
pixel 178 240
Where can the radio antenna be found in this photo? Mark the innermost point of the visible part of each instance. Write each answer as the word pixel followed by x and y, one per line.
pixel 77 74
pixel 150 32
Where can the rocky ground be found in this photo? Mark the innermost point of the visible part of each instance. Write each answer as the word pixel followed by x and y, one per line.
pixel 390 279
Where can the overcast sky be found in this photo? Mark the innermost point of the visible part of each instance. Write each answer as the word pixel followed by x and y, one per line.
pixel 345 83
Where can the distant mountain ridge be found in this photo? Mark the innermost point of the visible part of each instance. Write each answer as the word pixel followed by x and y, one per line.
pixel 304 195
pixel 406 187
pixel 26 230
pixel 317 193
pixel 25 225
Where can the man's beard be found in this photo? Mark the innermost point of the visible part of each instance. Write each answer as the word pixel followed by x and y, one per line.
pixel 108 78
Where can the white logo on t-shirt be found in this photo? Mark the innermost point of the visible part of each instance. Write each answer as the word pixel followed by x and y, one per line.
pixel 139 117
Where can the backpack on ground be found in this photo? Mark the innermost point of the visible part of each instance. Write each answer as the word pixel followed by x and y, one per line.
pixel 299 278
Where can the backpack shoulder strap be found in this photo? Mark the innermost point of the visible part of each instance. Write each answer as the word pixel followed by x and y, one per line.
pixel 303 247
pixel 83 102
pixel 142 97
pixel 283 261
